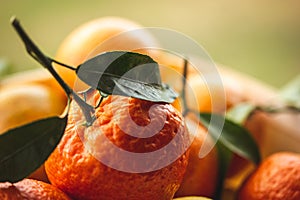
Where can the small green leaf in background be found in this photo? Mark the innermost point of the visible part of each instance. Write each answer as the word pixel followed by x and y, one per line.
pixel 240 113
pixel 291 93
pixel 26 148
pixel 234 137
pixel 128 74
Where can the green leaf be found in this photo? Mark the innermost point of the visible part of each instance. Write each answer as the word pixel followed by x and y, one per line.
pixel 291 93
pixel 233 136
pixel 240 113
pixel 155 93
pixel 126 73
pixel 26 148
pixel 97 71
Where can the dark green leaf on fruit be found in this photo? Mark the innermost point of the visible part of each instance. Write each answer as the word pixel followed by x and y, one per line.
pixel 26 148
pixel 128 74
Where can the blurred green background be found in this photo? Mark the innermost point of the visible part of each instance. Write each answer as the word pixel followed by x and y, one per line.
pixel 260 38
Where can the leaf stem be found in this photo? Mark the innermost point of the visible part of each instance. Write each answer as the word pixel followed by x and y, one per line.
pixel 64 65
pixel 34 51
pixel 45 61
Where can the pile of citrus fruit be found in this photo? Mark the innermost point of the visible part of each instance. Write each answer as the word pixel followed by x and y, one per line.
pixel 73 171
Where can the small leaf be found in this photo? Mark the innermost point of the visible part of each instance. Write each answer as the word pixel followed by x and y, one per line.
pixel 25 148
pixel 126 73
pixel 234 137
pixel 128 65
pixel 291 93
pixel 240 113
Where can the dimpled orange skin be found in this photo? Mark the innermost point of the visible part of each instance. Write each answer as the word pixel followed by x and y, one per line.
pixel 78 173
pixel 31 189
pixel 277 178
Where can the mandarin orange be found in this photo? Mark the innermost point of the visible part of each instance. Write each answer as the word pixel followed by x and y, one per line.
pixel 39 76
pixel 24 103
pixel 30 189
pixel 106 161
pixel 96 36
pixel 277 177
pixel 201 175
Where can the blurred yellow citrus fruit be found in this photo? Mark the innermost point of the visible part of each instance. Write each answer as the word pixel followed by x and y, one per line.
pixel 24 103
pixel 98 36
pixel 21 104
pixel 39 76
pixel 203 92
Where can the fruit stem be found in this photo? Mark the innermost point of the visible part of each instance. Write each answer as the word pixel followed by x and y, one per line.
pixel 45 61
pixel 183 91
pixel 34 51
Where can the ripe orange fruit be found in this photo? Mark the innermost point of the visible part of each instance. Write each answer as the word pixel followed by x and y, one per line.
pixel 39 76
pixel 203 98
pixel 88 164
pixel 20 104
pixel 24 103
pixel 30 189
pixel 98 36
pixel 277 177
pixel 203 94
pixel 201 175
